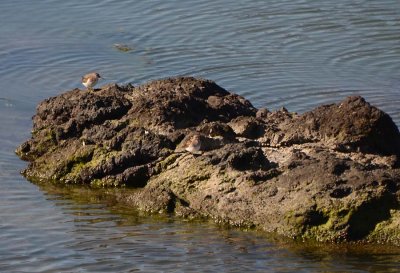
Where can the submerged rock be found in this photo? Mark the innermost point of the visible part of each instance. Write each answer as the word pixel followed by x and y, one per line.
pixel 331 174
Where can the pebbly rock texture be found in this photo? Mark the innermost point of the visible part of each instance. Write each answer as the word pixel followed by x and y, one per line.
pixel 331 174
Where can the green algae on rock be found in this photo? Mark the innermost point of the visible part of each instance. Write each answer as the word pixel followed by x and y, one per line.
pixel 330 175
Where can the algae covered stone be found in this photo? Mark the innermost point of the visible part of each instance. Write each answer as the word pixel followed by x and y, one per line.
pixel 331 174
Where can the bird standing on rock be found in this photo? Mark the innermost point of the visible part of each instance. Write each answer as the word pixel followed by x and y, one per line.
pixel 193 145
pixel 90 80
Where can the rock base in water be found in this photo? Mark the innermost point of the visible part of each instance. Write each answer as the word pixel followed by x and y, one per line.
pixel 331 174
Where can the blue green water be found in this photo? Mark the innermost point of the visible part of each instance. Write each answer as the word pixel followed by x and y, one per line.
pixel 296 54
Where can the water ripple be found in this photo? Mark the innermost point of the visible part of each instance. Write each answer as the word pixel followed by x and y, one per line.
pixel 298 54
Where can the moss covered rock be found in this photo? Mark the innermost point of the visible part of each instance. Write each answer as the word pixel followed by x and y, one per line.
pixel 331 174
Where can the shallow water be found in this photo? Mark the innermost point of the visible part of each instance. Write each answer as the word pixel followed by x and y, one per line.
pixel 296 54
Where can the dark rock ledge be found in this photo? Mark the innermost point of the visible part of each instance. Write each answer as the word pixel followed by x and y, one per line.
pixel 331 174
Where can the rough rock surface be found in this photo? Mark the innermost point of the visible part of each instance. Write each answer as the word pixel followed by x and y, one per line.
pixel 331 174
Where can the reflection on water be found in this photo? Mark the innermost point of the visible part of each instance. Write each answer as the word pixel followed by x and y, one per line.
pixel 296 54
pixel 84 229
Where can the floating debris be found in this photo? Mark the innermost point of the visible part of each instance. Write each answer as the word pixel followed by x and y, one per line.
pixel 123 47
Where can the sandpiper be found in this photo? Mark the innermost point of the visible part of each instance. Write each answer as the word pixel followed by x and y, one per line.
pixel 90 80
pixel 193 145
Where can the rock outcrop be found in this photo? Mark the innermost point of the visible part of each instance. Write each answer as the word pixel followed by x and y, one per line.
pixel 331 174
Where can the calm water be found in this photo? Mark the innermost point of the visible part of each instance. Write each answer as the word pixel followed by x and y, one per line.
pixel 296 54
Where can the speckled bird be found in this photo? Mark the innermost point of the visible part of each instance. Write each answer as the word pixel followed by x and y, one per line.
pixel 193 145
pixel 90 80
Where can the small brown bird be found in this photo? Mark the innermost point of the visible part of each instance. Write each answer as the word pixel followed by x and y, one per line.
pixel 193 145
pixel 90 80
